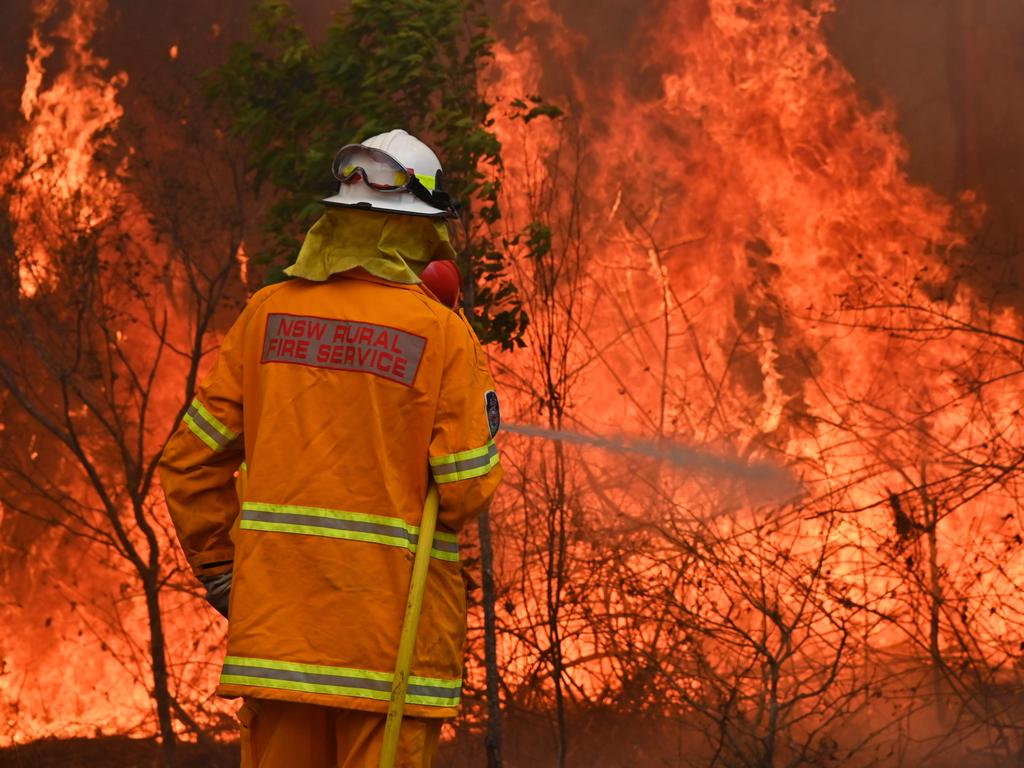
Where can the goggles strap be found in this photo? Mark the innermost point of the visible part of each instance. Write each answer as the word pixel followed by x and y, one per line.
pixel 436 198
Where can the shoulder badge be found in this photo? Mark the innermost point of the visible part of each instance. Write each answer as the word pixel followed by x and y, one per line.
pixel 493 411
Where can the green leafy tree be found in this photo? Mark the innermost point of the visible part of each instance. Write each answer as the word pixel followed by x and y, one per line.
pixel 382 64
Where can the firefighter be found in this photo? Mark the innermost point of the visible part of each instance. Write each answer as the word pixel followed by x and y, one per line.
pixel 297 477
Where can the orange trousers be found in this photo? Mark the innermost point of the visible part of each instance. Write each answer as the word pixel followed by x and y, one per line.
pixel 284 734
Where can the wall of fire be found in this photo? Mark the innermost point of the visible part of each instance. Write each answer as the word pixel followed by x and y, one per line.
pixel 786 149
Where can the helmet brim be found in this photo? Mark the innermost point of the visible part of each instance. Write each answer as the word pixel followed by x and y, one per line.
pixel 409 206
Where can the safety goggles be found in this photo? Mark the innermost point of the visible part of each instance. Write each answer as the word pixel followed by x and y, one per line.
pixel 383 172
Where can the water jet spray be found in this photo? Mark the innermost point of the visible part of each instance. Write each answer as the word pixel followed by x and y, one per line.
pixel 764 478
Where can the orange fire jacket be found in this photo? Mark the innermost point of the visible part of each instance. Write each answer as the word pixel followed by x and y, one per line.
pixel 343 399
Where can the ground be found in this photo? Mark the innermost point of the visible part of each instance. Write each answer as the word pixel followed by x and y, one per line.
pixel 111 752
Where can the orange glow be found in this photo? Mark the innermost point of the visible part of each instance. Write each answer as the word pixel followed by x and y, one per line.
pixel 77 664
pixel 742 264
pixel 243 265
pixel 66 125
pixel 749 238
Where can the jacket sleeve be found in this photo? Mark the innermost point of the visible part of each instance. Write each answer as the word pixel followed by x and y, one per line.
pixel 464 460
pixel 201 460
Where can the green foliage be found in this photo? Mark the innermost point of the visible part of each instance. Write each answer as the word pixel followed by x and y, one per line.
pixel 383 64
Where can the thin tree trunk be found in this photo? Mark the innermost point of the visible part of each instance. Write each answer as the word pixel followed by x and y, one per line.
pixel 161 690
pixel 492 737
pixel 556 579
pixel 930 513
pixel 935 617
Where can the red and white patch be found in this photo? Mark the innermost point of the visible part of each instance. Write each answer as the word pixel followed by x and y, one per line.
pixel 343 345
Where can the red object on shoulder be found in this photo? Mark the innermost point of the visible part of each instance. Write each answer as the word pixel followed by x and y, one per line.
pixel 444 281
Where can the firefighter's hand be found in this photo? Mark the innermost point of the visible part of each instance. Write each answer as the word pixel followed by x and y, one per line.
pixel 218 592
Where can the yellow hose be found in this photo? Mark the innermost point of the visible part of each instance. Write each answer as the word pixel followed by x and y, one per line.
pixel 413 606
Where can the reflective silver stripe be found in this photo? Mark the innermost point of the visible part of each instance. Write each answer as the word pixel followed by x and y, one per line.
pixel 307 677
pixel 206 427
pixel 461 467
pixel 360 526
pixel 319 678
pixel 196 418
pixel 341 524
pixel 467 464
pixel 337 681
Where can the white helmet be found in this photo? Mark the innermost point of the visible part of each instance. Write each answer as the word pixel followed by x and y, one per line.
pixel 392 172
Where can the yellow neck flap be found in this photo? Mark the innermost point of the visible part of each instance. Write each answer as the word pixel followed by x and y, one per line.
pixel 390 246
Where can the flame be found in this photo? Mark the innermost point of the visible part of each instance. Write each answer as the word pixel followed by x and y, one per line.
pixel 743 263
pixel 68 122
pixel 78 664
pixel 763 274
pixel 243 265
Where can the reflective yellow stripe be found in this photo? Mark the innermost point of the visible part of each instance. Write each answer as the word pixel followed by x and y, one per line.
pixel 339 524
pixel 453 457
pixel 465 465
pixel 337 681
pixel 207 428
pixel 199 432
pixel 214 422
pixel 467 474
